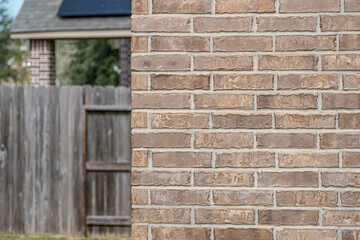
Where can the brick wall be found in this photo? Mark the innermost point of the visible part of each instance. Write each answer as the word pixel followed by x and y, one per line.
pixel 246 119
pixel 42 62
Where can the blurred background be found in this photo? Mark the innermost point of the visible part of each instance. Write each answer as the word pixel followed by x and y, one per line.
pixel 78 62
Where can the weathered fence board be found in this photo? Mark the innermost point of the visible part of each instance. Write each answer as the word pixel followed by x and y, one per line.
pixel 41 165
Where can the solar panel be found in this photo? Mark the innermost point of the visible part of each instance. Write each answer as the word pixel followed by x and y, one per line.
pixel 88 8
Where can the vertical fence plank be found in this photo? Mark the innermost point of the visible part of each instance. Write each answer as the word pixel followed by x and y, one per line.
pixel 75 159
pixel 52 177
pixel 30 159
pixel 18 160
pixel 5 165
pixel 63 161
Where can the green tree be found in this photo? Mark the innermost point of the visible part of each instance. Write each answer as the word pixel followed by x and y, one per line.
pixel 13 54
pixel 92 62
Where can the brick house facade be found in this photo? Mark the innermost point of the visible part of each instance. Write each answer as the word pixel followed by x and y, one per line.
pixel 246 119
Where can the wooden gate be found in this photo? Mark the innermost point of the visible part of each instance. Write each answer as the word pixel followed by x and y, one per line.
pixel 106 168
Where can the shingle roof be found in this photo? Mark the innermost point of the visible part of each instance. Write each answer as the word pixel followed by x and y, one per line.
pixel 41 16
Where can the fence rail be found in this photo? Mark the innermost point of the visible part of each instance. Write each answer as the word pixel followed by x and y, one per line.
pixel 41 165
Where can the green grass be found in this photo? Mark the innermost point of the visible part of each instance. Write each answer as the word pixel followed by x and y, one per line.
pixel 53 237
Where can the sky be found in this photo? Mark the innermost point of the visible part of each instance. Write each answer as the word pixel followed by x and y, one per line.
pixel 14 6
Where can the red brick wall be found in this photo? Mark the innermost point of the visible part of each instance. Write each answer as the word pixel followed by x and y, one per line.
pixel 246 119
pixel 42 62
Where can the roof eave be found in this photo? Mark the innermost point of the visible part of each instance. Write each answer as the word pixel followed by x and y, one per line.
pixel 86 34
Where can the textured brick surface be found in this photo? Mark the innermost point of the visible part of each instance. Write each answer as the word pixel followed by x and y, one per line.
pixel 243 233
pixel 246 119
pixel 224 216
pixel 307 81
pixel 222 24
pixel 307 198
pixel 301 234
pixel 288 217
pixel 180 233
pixel 308 6
pixel 286 24
pixel 185 6
pixel 288 179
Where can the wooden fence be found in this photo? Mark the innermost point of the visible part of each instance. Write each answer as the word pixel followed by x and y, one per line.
pixel 41 159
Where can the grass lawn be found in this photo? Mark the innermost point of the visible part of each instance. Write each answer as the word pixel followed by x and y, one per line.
pixel 53 237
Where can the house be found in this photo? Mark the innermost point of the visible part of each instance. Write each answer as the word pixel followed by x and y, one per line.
pixel 43 22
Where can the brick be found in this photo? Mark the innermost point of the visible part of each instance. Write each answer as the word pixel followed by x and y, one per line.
pixel 351 81
pixel 348 22
pixel 139 232
pixel 349 41
pixel 351 6
pixel 180 82
pixel 160 24
pixel 286 24
pixel 179 120
pixel 350 234
pixel 224 216
pixel 288 217
pixel 302 234
pixel 349 120
pixel 139 196
pixel 309 6
pixel 288 62
pixel 286 140
pixel 222 24
pixel 139 44
pixel 184 6
pixel 139 7
pixel 161 215
pixel 160 140
pixel 180 233
pixel 243 197
pixel 243 81
pixel 218 62
pixel 287 101
pixel 224 178
pixel 138 120
pixel 223 140
pixel 139 81
pixel 234 120
pixel 160 178
pixel 160 62
pixel 339 140
pixel 182 159
pixel 180 44
pixel 350 199
pixel 340 179
pixel 139 158
pixel 308 160
pixel 242 43
pixel 245 6
pixel 245 160
pixel 341 101
pixel 224 101
pixel 351 159
pixel 243 233
pixel 288 179
pixel 308 81
pixel 306 121
pixel 307 198
pixel 305 43
pixel 180 197
pixel 337 62
pixel 160 100
pixel 341 217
